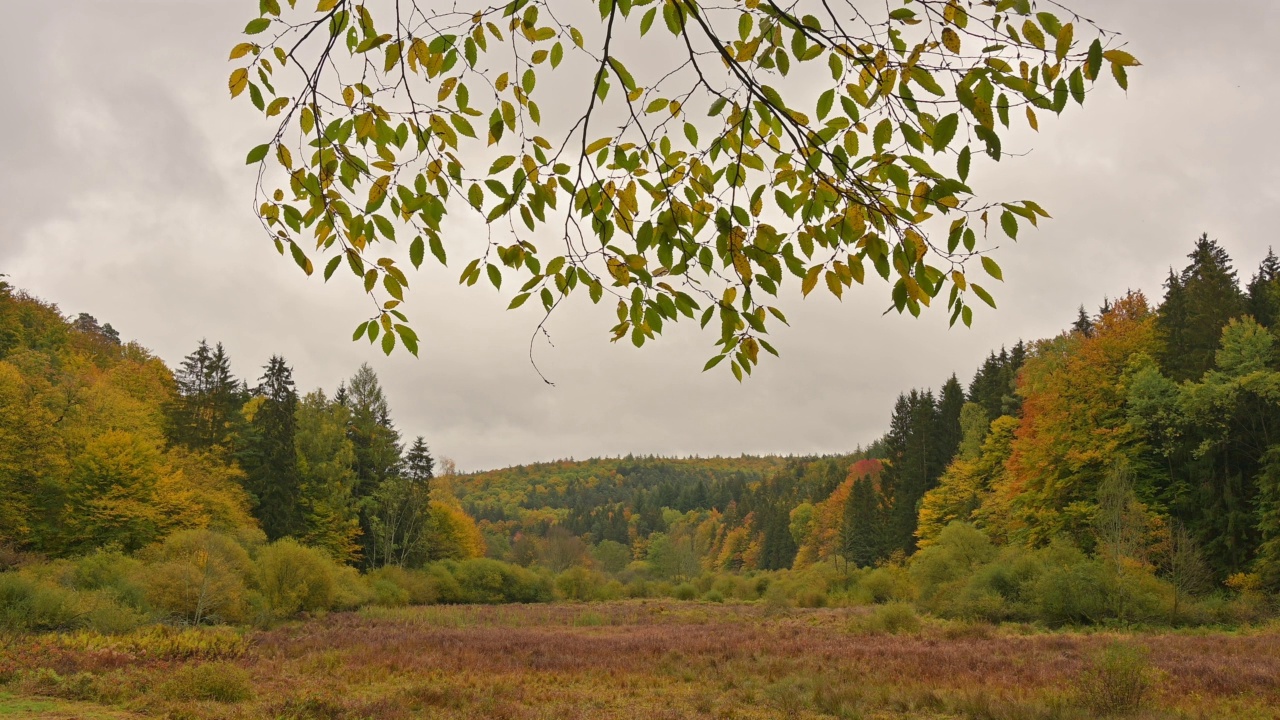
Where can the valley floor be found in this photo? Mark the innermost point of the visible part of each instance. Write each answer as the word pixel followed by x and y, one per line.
pixel 636 660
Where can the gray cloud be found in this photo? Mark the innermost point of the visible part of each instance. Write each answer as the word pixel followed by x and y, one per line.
pixel 125 195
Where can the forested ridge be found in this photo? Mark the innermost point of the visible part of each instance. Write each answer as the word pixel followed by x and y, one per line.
pixel 1124 469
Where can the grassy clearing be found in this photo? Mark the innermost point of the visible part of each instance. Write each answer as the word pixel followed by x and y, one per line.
pixel 655 659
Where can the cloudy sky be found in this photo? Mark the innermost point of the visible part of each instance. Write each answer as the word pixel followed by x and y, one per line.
pixel 123 193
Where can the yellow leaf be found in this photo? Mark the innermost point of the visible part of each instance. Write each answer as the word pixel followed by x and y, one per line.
pixel 1031 119
pixel 241 50
pixel 951 40
pixel 1120 57
pixel 239 81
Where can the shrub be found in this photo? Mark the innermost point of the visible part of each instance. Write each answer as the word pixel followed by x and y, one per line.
pixel 714 596
pixel 486 581
pixel 395 586
pixel 685 591
pixel 219 681
pixel 31 605
pixel 294 578
pixel 959 549
pixel 1118 681
pixel 579 583
pixel 894 618
pixel 351 590
pixel 112 572
pixel 887 583
pixel 198 576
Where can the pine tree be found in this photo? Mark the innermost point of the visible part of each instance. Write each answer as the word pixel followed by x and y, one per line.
pixel 419 466
pixel 862 534
pixel 377 448
pixel 1198 304
pixel 205 413
pixel 271 461
pixel 1083 323
pixel 1264 291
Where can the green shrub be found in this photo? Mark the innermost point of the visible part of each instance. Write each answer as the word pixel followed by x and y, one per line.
pixel 31 605
pixel 1072 588
pixel 219 682
pixel 714 596
pixel 351 590
pixel 198 576
pixel 1118 681
pixel 887 583
pixel 293 578
pixel 685 591
pixel 414 587
pixel 486 581
pixel 959 549
pixel 111 572
pixel 894 618
pixel 579 583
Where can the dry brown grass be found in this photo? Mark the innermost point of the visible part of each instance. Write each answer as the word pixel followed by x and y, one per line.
pixel 665 659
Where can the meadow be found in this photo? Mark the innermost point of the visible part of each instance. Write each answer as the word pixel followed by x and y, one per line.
pixel 655 658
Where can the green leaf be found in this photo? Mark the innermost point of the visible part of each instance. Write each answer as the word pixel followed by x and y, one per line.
pixel 944 131
pixel 1009 224
pixel 257 25
pixel 416 252
pixel 992 268
pixel 257 154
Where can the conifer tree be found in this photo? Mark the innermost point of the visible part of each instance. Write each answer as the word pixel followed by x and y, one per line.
pixel 1264 291
pixel 862 534
pixel 206 411
pixel 271 460
pixel 1198 304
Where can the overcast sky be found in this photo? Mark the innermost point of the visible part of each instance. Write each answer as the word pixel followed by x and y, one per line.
pixel 123 193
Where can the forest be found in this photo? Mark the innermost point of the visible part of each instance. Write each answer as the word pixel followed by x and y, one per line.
pixel 1123 471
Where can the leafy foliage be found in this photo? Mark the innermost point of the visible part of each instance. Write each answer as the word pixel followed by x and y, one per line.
pixel 726 167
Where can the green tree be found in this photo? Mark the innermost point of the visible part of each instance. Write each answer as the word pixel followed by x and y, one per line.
pixel 862 534
pixel 722 169
pixel 1264 291
pixel 377 449
pixel 205 412
pixel 326 470
pixel 1198 304
pixel 271 460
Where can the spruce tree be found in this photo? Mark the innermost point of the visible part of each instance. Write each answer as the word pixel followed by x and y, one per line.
pixel 1264 291
pixel 419 466
pixel 271 461
pixel 205 414
pixel 1198 304
pixel 862 532
pixel 1083 323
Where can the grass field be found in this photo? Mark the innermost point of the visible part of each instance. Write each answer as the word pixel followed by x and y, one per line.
pixel 642 659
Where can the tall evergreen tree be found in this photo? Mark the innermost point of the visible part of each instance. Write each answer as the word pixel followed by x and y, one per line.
pixel 1083 323
pixel 914 455
pixel 271 460
pixel 993 387
pixel 862 532
pixel 377 448
pixel 1264 291
pixel 1198 304
pixel 205 414
pixel 419 466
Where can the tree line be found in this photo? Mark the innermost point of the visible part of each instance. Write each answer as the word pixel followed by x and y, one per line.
pixel 102 446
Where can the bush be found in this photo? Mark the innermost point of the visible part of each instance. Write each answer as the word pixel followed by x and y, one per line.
pixel 351 590
pixel 30 605
pixel 1118 681
pixel 885 584
pixel 894 618
pixel 579 583
pixel 111 572
pixel 685 591
pixel 486 581
pixel 198 576
pixel 714 596
pixel 220 682
pixel 397 586
pixel 293 578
